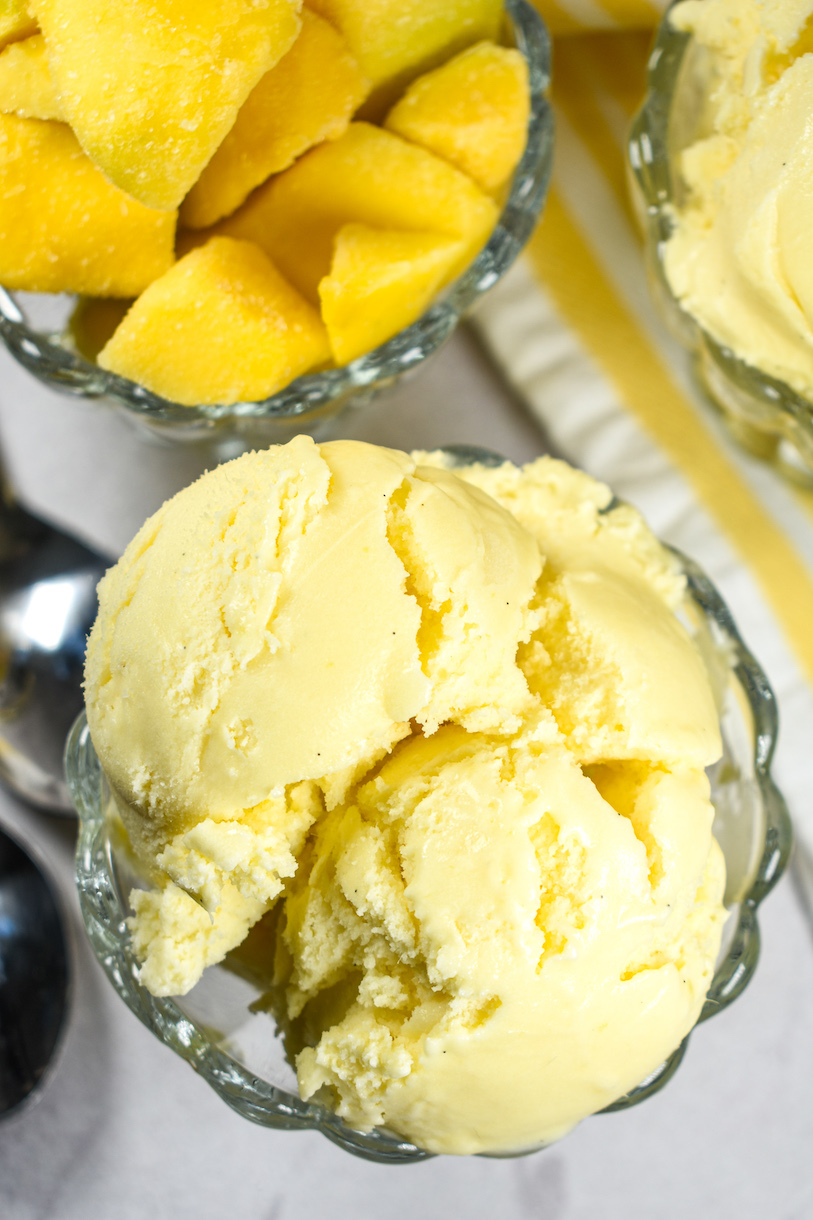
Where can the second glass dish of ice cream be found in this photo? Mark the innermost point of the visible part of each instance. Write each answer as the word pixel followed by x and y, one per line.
pixel 751 826
pixel 728 138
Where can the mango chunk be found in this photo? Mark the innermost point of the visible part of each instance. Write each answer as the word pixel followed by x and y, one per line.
pixel 473 111
pixel 370 177
pixel 151 87
pixel 395 40
pixel 309 96
pixel 379 282
pixel 64 227
pixel 26 87
pixel 221 326
pixel 15 21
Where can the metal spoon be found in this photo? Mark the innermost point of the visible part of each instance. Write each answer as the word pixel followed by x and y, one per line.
pixel 34 974
pixel 47 606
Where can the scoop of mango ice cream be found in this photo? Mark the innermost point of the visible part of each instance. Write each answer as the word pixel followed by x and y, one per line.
pixel 739 257
pixel 490 941
pixel 444 727
pixel 265 639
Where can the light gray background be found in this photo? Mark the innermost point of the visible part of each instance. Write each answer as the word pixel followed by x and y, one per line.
pixel 124 1130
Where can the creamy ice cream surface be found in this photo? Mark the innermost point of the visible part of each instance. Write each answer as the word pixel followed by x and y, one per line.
pixel 446 731
pixel 265 639
pixel 740 259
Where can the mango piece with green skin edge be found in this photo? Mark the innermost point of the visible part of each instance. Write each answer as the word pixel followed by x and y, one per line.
pixel 151 87
pixel 309 96
pixel 26 86
pixel 380 281
pixel 64 227
pixel 221 326
pixel 473 111
pixel 395 40
pixel 15 21
pixel 370 177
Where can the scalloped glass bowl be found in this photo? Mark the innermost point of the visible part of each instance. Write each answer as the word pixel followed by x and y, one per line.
pixel 765 415
pixel 236 1050
pixel 33 326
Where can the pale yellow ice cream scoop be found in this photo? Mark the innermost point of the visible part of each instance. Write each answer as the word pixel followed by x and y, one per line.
pixel 490 942
pixel 445 728
pixel 267 637
pixel 740 258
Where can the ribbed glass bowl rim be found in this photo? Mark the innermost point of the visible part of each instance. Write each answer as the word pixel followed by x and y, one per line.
pixel 315 393
pixel 651 170
pixel 104 909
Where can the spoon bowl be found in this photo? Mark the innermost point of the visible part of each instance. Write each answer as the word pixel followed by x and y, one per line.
pixel 34 974
pixel 47 606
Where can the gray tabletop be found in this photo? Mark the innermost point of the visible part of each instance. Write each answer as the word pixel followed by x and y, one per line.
pixel 125 1130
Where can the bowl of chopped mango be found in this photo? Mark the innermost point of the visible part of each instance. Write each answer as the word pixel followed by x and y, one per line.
pixel 241 219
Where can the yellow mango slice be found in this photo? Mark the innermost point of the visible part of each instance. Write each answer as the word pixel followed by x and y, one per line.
pixel 26 87
pixel 15 21
pixel 309 96
pixel 151 87
pixel 367 176
pixel 395 40
pixel 64 227
pixel 221 326
pixel 380 282
pixel 473 111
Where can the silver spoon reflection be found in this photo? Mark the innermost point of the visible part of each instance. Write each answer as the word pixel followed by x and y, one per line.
pixel 34 974
pixel 47 606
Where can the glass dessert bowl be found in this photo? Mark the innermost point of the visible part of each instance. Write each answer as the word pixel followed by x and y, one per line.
pixel 222 1026
pixel 764 413
pixel 35 326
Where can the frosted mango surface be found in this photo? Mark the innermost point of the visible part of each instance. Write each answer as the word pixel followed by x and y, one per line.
pixel 222 325
pixel 239 115
pixel 151 87
pixel 395 40
pixel 308 97
pixel 63 227
pixel 15 21
pixel 445 729
pixel 26 86
pixel 380 281
pixel 472 111
pixel 369 177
